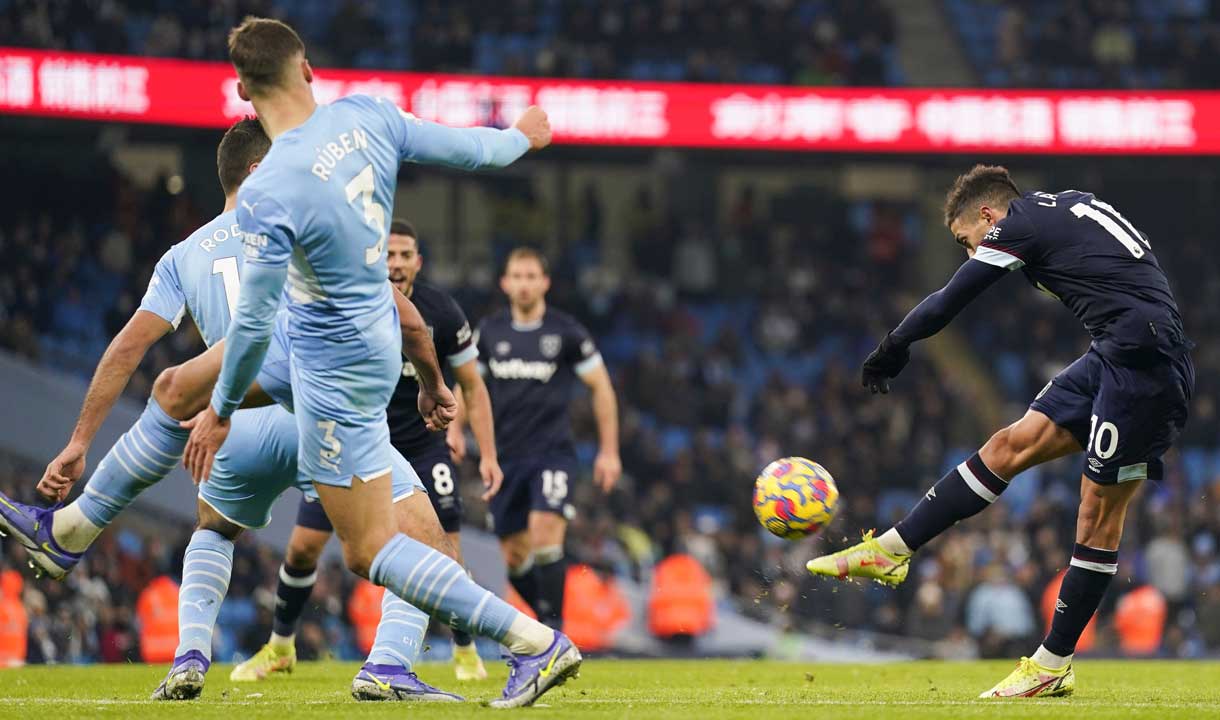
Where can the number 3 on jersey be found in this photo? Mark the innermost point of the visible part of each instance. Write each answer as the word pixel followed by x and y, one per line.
pixel 374 214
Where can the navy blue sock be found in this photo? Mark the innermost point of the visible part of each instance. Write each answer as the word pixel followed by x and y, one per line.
pixel 1084 584
pixel 525 581
pixel 551 574
pixel 291 594
pixel 964 492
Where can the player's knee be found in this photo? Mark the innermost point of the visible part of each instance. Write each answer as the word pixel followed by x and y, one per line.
pixel 359 553
pixel 1099 524
pixel 209 519
pixel 516 553
pixel 302 555
pixel 547 533
pixel 172 395
pixel 358 558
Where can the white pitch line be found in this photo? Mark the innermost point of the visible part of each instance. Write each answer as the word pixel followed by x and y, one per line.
pixel 1073 704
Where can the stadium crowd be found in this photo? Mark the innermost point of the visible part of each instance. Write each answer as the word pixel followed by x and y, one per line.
pixel 808 42
pixel 731 344
pixel 1040 43
pixel 1090 43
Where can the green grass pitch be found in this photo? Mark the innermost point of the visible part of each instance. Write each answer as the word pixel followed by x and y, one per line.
pixel 695 689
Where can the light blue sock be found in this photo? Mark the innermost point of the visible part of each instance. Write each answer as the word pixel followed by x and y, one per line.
pixel 144 455
pixel 400 634
pixel 436 584
pixel 206 568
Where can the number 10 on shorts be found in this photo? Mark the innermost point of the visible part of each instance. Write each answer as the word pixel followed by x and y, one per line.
pixel 1103 439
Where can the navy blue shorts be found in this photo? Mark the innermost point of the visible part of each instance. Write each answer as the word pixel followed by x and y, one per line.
pixel 311 515
pixel 1125 418
pixel 532 484
pixel 436 470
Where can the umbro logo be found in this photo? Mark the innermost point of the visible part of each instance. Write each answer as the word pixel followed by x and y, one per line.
pixel 1095 463
pixel 931 494
pixel 1060 606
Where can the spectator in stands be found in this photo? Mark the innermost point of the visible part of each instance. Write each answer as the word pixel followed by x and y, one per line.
pixel 998 614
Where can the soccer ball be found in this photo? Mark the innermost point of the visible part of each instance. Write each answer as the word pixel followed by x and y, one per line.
pixel 794 498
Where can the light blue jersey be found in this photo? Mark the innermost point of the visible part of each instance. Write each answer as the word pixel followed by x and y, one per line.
pixel 315 216
pixel 200 275
pixel 320 204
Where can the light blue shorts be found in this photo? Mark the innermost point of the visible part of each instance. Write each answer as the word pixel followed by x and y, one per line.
pixel 258 462
pixel 341 418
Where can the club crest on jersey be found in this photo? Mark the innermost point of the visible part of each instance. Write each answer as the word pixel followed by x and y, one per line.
pixel 550 345
pixel 503 347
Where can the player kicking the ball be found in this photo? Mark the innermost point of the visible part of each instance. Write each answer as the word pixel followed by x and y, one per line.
pixel 409 435
pixel 1123 403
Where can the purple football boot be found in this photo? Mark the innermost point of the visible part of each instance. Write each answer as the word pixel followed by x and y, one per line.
pixel 394 682
pixel 530 676
pixel 31 526
pixel 184 681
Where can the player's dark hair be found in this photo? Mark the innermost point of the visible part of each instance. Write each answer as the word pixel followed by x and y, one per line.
pixel 242 145
pixel 402 226
pixel 260 49
pixel 525 252
pixel 983 185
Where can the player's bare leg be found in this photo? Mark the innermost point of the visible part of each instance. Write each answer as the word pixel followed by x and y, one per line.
pixel 541 658
pixel 206 569
pixel 56 539
pixel 518 556
pixel 415 518
pixel 183 390
pixel 1099 530
pixel 965 491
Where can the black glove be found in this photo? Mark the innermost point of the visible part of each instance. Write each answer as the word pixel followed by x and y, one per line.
pixel 884 363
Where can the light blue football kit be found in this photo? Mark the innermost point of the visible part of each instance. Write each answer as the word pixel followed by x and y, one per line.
pixel 201 276
pixel 315 215
pixel 258 462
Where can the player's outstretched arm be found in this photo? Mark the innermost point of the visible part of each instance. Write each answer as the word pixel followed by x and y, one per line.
pixel 473 148
pixel 928 318
pixel 113 372
pixel 608 466
pixel 436 402
pixel 477 402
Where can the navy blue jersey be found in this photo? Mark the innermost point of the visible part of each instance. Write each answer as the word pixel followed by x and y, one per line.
pixel 531 372
pixel 454 347
pixel 1083 252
